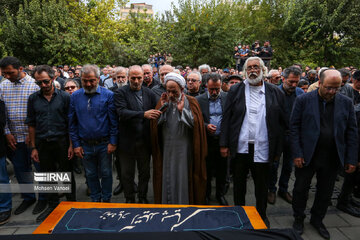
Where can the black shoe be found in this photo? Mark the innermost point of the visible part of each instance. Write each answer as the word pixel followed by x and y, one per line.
pixel 119 188
pixel 130 200
pixel 298 225
pixel 143 200
pixel 271 197
pixel 44 214
pixel 355 203
pixel 4 217
pixel 320 227
pixel 135 188
pixel 349 209
pixel 286 196
pixel 77 170
pixel 23 206
pixel 222 201
pixel 39 207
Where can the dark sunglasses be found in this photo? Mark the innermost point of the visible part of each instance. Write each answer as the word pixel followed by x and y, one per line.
pixel 43 81
pixel 70 87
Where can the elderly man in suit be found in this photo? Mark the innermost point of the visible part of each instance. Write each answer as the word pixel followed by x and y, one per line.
pixel 135 107
pixel 212 104
pixel 323 136
pixel 252 131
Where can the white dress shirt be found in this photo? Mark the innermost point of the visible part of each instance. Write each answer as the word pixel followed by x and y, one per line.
pixel 254 129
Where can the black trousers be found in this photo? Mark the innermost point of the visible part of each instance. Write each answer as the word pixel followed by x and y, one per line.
pixel 350 181
pixel 260 174
pixel 216 166
pixel 53 156
pixel 140 157
pixel 325 176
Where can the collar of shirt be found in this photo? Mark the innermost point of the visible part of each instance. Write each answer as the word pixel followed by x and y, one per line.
pixel 262 90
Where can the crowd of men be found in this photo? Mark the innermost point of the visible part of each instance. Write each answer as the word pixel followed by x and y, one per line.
pixel 193 124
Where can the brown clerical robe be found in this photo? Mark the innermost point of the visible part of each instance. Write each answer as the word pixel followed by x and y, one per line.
pixel 197 169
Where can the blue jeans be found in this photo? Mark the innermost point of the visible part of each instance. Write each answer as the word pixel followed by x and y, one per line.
pixel 21 160
pixel 5 198
pixel 285 172
pixel 97 164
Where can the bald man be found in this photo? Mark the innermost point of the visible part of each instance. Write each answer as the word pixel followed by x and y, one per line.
pixel 323 136
pixel 160 88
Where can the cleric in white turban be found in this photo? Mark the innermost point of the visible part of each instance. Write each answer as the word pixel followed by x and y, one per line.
pixel 179 147
pixel 176 78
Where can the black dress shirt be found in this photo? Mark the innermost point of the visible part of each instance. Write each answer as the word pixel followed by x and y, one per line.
pixel 50 118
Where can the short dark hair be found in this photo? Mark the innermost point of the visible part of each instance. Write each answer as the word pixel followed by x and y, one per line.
pixel 303 82
pixel 44 68
pixel 211 76
pixel 294 70
pixel 356 75
pixel 7 61
pixel 344 72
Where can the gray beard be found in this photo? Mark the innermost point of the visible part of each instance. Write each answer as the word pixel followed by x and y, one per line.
pixel 91 91
pixel 255 81
pixel 121 84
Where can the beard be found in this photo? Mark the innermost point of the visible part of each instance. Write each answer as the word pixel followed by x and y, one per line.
pixel 254 78
pixel 92 90
pixel 121 84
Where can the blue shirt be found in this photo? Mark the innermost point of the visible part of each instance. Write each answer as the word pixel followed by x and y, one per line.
pixel 215 112
pixel 92 116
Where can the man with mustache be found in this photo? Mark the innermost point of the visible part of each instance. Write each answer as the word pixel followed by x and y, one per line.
pixel 93 131
pixel 118 79
pixel 291 78
pixel 135 107
pixel 179 147
pixel 212 105
pixel 252 131
pixel 149 81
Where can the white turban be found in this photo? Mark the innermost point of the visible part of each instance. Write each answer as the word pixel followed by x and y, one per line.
pixel 176 78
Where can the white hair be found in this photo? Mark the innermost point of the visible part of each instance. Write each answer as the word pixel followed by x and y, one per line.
pixel 262 66
pixel 197 73
pixel 204 66
pixel 90 68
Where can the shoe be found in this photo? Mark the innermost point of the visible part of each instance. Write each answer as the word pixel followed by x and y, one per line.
pixel 355 203
pixel 135 188
pixel 143 200
pixel 298 225
pixel 349 209
pixel 23 206
pixel 77 170
pixel 39 207
pixel 4 217
pixel 119 188
pixel 271 197
pixel 222 201
pixel 320 227
pixel 286 196
pixel 44 214
pixel 130 200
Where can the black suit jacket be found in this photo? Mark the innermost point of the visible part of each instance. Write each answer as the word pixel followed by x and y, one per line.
pixel 131 116
pixel 234 113
pixel 204 105
pixel 305 128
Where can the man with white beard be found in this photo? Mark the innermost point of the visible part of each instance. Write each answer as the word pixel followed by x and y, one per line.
pixel 119 78
pixel 252 131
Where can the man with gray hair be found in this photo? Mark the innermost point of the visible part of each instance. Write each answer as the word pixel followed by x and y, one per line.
pixel 274 76
pixel 252 131
pixel 203 69
pixel 93 130
pixel 193 84
pixel 160 88
pixel 117 80
pixel 149 81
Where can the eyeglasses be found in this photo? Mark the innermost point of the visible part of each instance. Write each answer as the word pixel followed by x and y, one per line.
pixel 192 80
pixel 329 89
pixel 70 87
pixel 249 68
pixel 46 82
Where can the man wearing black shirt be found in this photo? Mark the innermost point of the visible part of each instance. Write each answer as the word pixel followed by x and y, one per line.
pixel 323 137
pixel 47 119
pixel 266 53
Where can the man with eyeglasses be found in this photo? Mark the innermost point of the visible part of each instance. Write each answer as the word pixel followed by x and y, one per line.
pixel 47 120
pixel 324 138
pixel 93 130
pixel 15 91
pixel 193 82
pixel 291 77
pixel 274 76
pixel 160 88
pixel 252 131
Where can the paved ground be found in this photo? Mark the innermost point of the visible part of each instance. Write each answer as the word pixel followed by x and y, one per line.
pixel 341 225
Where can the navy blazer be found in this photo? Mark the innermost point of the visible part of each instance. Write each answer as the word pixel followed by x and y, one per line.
pixel 203 101
pixel 234 113
pixel 305 128
pixel 131 116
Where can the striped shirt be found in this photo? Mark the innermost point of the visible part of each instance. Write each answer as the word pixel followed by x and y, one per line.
pixel 15 96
